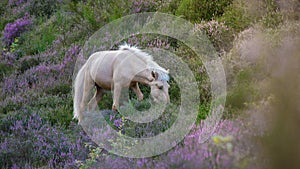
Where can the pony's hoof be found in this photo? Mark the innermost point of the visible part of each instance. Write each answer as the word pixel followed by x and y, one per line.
pixel 114 108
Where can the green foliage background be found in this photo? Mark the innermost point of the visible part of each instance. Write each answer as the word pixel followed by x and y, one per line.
pixel 58 26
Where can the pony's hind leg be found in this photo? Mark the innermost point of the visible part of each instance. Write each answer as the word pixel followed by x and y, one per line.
pixel 136 89
pixel 87 87
pixel 96 98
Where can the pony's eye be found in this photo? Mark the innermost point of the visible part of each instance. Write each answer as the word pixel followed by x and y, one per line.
pixel 160 87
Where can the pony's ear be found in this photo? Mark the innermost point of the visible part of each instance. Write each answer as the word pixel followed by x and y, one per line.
pixel 155 75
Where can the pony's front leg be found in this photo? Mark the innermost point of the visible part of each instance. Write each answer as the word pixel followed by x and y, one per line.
pixel 116 96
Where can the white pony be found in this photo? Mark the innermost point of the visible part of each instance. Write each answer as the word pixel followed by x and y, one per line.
pixel 115 70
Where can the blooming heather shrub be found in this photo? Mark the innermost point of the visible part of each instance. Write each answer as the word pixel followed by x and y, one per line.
pixel 15 29
pixel 231 146
pixel 227 149
pixel 50 56
pixel 8 58
pixel 148 41
pixel 16 2
pixel 144 6
pixel 19 89
pixel 216 32
pixel 28 140
pixel 15 9
pixel 159 43
pixel 70 57
pixel 46 75
pixel 12 103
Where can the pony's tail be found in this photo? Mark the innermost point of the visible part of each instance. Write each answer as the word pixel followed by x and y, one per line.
pixel 78 92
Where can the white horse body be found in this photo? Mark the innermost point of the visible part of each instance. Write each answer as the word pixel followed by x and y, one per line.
pixel 115 70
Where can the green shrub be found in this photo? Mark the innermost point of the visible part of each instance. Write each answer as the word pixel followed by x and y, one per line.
pixel 42 36
pixel 3 5
pixel 106 102
pixel 28 63
pixel 4 70
pixel 243 13
pixel 133 129
pixel 242 91
pixel 204 110
pixel 94 14
pixel 43 7
pixel 59 89
pixel 56 109
pixel 273 17
pixel 62 115
pixel 9 106
pixel 174 92
pixel 38 40
pixel 3 19
pixel 170 7
pixel 236 17
pixel 197 10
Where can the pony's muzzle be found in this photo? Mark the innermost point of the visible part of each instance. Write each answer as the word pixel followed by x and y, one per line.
pixel 168 100
pixel 165 99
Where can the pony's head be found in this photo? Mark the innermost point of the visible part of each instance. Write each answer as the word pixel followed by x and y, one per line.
pixel 160 87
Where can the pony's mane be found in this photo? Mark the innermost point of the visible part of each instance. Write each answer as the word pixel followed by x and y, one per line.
pixel 163 74
pixel 142 55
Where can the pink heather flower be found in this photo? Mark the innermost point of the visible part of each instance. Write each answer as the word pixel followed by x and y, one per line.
pixel 111 117
pixel 15 29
